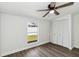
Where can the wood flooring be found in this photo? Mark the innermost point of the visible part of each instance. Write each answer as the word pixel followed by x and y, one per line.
pixel 47 50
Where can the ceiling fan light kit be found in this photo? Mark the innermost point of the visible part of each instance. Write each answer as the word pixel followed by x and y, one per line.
pixel 52 8
pixel 52 11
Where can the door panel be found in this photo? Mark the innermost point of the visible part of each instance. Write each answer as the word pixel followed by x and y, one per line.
pixel 55 33
pixel 66 39
pixel 59 32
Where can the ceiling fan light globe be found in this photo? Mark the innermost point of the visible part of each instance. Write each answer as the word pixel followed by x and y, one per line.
pixel 52 11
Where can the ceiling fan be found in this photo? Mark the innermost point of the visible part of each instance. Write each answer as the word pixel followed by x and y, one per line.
pixel 52 7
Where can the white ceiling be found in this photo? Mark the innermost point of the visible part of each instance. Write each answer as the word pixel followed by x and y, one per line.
pixel 29 9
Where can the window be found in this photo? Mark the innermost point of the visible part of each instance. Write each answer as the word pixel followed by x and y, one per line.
pixel 32 32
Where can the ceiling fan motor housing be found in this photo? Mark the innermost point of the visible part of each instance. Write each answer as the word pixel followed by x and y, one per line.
pixel 51 8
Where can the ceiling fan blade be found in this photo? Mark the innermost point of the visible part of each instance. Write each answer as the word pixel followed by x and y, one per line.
pixel 44 10
pixel 56 12
pixel 46 13
pixel 64 5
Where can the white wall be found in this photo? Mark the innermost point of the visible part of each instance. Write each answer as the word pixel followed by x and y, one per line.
pixel 0 35
pixel 76 30
pixel 13 33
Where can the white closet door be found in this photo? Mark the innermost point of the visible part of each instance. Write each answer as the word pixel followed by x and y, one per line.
pixel 55 28
pixel 66 34
pixel 57 32
pixel 61 32
pixel 63 36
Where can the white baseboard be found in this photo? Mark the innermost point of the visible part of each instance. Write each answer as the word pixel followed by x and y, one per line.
pixel 70 48
pixel 76 46
pixel 20 49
